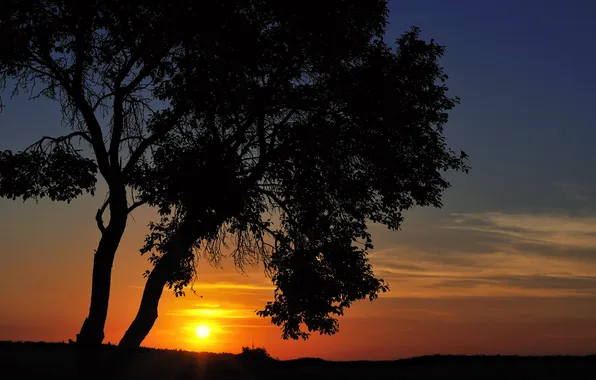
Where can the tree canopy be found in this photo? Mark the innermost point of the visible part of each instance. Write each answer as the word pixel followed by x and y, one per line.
pixel 339 143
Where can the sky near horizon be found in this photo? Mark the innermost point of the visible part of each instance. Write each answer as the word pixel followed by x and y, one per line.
pixel 507 266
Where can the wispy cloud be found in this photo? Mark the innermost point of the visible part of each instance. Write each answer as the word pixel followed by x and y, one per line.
pixel 220 286
pixel 494 254
pixel 219 313
pixel 551 232
pixel 208 305
pixel 231 285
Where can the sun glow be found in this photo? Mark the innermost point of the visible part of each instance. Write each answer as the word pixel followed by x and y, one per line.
pixel 203 331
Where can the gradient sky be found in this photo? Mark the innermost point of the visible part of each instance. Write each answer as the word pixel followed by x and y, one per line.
pixel 507 266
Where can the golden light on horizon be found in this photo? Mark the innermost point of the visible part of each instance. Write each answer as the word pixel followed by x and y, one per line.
pixel 203 331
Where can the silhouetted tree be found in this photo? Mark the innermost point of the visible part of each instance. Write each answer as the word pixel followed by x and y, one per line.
pixel 107 63
pixel 285 129
pixel 328 129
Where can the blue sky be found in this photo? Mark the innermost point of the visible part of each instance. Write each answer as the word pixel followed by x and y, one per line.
pixel 524 71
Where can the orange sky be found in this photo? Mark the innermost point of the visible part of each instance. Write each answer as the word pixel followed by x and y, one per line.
pixel 486 283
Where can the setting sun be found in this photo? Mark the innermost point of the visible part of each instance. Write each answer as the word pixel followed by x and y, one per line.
pixel 203 331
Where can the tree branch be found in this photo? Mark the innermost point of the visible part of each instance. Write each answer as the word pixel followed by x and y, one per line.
pixel 120 94
pixel 259 108
pixel 266 154
pixel 125 70
pixel 145 71
pixel 37 70
pixel 124 139
pixel 99 215
pixel 160 132
pixel 77 79
pixel 135 205
pixel 261 101
pixel 261 135
pixel 118 128
pixel 86 111
pixel 96 136
pixel 58 140
pixel 101 99
pixel 280 203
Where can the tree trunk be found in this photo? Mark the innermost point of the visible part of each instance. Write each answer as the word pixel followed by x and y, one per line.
pixel 156 281
pixel 147 314
pixel 180 242
pixel 124 355
pixel 91 336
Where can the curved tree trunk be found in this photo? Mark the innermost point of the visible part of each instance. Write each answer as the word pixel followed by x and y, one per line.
pixel 156 281
pixel 147 314
pixel 179 244
pixel 91 336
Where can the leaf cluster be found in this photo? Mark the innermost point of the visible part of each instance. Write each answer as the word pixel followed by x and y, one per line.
pixel 59 175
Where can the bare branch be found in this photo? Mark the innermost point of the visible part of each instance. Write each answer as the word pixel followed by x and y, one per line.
pixel 160 132
pixel 143 73
pixel 100 99
pixel 38 70
pixel 271 195
pixel 125 70
pixel 135 205
pixel 128 138
pixel 57 140
pixel 118 121
pixel 87 112
pixel 99 215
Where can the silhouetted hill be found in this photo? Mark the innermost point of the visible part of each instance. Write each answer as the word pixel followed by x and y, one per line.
pixel 55 360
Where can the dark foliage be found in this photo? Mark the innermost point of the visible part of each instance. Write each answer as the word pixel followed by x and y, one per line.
pixel 255 356
pixel 60 175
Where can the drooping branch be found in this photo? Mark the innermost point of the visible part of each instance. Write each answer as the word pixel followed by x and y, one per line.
pixel 37 70
pixel 118 127
pixel 38 145
pixel 278 201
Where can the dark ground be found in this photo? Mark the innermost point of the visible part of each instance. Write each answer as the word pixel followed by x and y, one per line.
pixel 20 360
